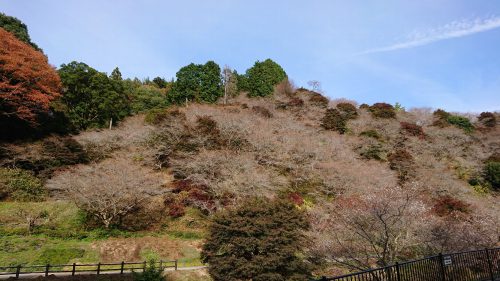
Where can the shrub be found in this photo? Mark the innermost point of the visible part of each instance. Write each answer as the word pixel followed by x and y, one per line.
pixel 447 205
pixel 286 88
pixel 158 116
pixel 151 273
pixel 492 174
pixel 371 134
pixel 259 240
pixel 348 110
pixel 488 119
pixel 375 152
pixel 297 102
pixel 413 129
pixel 206 125
pixel 20 185
pixel 402 162
pixel 364 106
pixel 263 76
pixel 176 210
pixel 461 122
pixel 440 118
pixel 262 111
pixel 318 99
pixel 334 121
pixel 382 110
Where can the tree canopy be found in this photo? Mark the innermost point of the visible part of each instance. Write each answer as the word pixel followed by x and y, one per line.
pixel 18 28
pixel 262 77
pixel 92 98
pixel 27 82
pixel 197 82
pixel 259 240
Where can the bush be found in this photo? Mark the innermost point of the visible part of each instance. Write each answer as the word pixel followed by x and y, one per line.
pixel 364 106
pixel 151 273
pixel 447 205
pixel 158 116
pixel 461 122
pixel 262 111
pixel 375 152
pixel 285 87
pixel 488 119
pixel 440 118
pixel 492 174
pixel 382 110
pixel 371 134
pixel 413 129
pixel 20 185
pixel 348 110
pixel 263 76
pixel 318 99
pixel 334 121
pixel 259 240
pixel 402 162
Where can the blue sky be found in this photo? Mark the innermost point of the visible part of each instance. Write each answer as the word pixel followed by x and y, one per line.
pixel 425 53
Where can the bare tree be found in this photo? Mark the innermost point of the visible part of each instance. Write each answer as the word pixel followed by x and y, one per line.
pixel 229 80
pixel 108 190
pixel 33 217
pixel 376 229
pixel 315 85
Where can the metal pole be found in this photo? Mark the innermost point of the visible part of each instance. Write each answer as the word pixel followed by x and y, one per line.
pixel 398 276
pixel 490 265
pixel 441 262
pixel 18 271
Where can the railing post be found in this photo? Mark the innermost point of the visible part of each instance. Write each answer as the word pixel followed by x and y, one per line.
pixel 47 268
pixel 176 265
pixel 441 263
pixel 398 276
pixel 18 271
pixel 161 265
pixel 323 278
pixel 144 267
pixel 74 269
pixel 98 268
pixel 490 265
pixel 121 268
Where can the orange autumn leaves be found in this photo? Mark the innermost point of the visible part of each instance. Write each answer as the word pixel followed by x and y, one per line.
pixel 27 82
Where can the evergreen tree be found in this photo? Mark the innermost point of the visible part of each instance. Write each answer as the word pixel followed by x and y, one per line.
pixel 199 83
pixel 260 240
pixel 18 28
pixel 262 78
pixel 92 98
pixel 116 75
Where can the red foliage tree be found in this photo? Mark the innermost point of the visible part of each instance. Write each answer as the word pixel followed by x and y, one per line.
pixel 27 82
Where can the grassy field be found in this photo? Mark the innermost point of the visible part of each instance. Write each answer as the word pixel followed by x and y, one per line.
pixel 61 238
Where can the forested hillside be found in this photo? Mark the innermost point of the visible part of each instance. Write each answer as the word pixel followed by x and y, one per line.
pixel 95 167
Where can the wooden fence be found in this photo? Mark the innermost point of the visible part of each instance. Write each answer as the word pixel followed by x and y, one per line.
pixel 72 269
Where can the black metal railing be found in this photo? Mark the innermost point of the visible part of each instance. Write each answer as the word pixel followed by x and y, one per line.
pixel 74 269
pixel 480 265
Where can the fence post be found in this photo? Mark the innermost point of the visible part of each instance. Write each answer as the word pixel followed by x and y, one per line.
pixel 47 268
pixel 18 271
pixel 176 265
pixel 161 265
pixel 74 269
pixel 490 265
pixel 121 268
pixel 398 276
pixel 98 268
pixel 441 263
pixel 144 267
pixel 323 278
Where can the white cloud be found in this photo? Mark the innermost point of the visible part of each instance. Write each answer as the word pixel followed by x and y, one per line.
pixel 451 30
